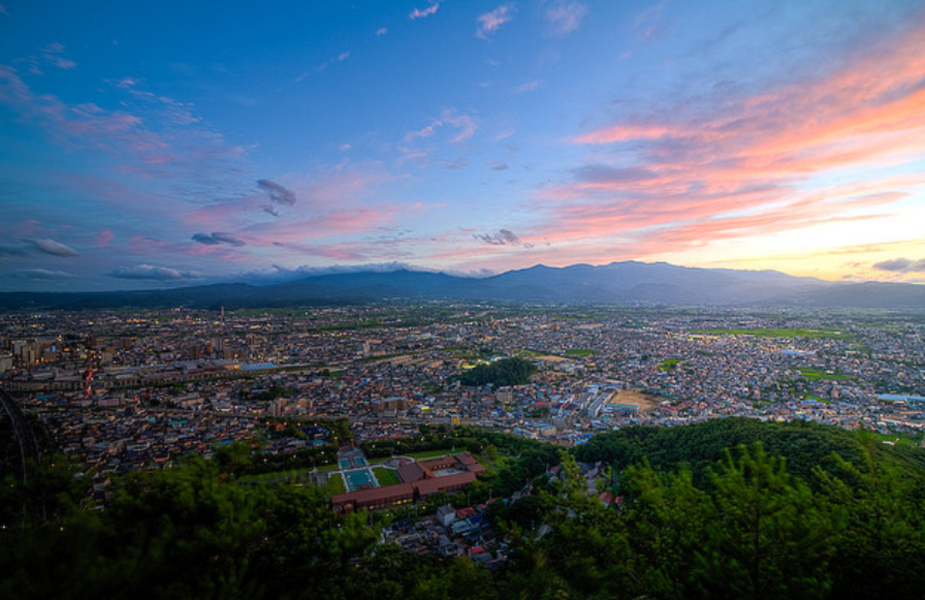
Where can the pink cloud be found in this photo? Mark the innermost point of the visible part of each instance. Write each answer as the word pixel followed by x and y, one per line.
pixel 423 14
pixel 490 22
pixel 752 166
pixel 103 238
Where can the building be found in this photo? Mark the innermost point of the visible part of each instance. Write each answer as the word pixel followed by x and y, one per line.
pixel 420 480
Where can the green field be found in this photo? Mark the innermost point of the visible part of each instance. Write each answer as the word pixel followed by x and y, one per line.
pixel 781 333
pixel 581 352
pixel 897 439
pixel 336 484
pixel 386 476
pixel 817 374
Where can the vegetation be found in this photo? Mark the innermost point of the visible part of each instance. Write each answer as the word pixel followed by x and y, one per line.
pixel 507 371
pixel 813 374
pixel 580 352
pixel 386 476
pixel 731 508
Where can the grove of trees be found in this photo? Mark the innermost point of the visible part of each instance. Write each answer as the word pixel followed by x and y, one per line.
pixel 726 509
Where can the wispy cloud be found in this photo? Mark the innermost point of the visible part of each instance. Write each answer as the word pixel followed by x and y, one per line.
pixel 464 124
pixel 381 31
pixel 530 86
pixel 331 61
pixel 649 20
pixel 145 271
pixel 218 237
pixel 490 22
pixel 54 55
pixel 423 14
pixel 564 16
pixel 49 246
pixel 151 135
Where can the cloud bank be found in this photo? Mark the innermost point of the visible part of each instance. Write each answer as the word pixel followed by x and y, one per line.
pixel 144 271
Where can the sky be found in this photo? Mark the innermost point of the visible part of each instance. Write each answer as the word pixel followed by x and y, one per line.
pixel 165 144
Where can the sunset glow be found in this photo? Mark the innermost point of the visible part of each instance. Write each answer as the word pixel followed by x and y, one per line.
pixel 165 145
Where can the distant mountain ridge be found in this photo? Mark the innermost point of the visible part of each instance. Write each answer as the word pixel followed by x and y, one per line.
pixel 619 283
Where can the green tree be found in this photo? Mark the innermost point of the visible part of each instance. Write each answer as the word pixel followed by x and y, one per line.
pixel 882 548
pixel 769 536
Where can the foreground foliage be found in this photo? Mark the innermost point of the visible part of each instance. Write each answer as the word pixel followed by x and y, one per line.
pixel 734 509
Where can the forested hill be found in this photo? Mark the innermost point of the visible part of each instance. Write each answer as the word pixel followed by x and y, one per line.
pixel 806 447
pixel 731 508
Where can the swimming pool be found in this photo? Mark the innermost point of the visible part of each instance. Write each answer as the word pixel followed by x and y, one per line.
pixel 356 479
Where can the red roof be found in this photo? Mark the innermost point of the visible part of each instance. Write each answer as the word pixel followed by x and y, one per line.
pixel 410 472
pixel 372 495
pixel 426 487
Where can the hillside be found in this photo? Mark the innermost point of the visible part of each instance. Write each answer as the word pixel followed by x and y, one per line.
pixel 726 509
pixel 624 283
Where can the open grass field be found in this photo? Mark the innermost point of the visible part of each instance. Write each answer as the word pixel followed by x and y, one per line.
pixel 580 352
pixel 817 374
pixel 336 484
pixel 385 476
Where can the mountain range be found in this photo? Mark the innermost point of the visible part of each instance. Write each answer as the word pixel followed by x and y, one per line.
pixel 619 283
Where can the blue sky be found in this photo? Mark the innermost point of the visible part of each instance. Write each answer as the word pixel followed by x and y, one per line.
pixel 168 144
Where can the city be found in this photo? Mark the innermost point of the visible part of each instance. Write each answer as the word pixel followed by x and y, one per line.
pixel 124 390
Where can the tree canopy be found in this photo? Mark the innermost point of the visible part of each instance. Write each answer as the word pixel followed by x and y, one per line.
pixel 725 509
pixel 506 371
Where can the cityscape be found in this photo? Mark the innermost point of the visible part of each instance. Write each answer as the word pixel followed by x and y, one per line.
pixel 490 300
pixel 125 390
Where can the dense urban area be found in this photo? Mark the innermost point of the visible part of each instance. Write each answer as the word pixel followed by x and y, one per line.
pixel 450 423
pixel 124 389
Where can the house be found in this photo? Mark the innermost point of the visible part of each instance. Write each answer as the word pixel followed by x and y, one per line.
pixel 446 515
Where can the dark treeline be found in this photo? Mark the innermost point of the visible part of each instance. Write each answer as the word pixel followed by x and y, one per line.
pixel 726 509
